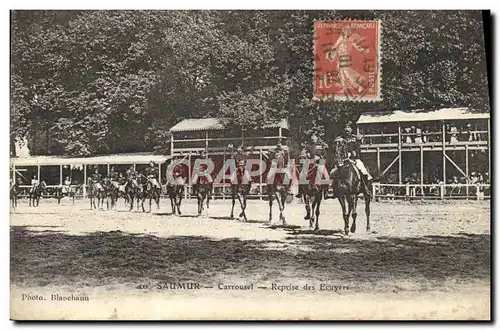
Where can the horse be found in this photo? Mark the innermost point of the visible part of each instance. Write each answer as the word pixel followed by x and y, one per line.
pixel 71 193
pixel 240 188
pixel 36 192
pixel 312 195
pixel 149 191
pixel 175 193
pixel 14 193
pixel 96 191
pixel 203 188
pixel 347 185
pixel 110 193
pixel 277 186
pixel 133 191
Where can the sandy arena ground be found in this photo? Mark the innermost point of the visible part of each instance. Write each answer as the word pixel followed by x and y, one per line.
pixel 421 260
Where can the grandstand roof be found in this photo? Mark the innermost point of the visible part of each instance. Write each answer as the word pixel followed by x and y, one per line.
pixel 208 124
pixel 395 116
pixel 133 158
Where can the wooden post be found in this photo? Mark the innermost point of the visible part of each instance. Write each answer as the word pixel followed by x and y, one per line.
pixel 443 127
pixel 172 145
pixel 60 174
pixel 399 152
pixel 159 173
pixel 422 170
pixel 189 174
pixel 84 180
pixel 38 174
pixel 107 174
pixel 223 190
pixel 378 160
pixel 14 174
pixel 206 141
pixel 260 176
pixel 467 170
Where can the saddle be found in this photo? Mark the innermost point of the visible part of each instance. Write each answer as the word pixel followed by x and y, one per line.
pixel 350 162
pixel 98 186
pixel 154 182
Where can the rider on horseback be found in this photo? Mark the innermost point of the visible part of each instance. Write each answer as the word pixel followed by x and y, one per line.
pixel 97 179
pixel 113 177
pixel 315 149
pixel 203 167
pixel 67 184
pixel 152 174
pixel 240 159
pixel 34 183
pixel 353 143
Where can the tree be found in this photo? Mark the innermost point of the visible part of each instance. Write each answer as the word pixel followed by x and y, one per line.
pixel 90 82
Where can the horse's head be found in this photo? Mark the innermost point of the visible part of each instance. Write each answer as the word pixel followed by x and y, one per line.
pixel 340 153
pixel 42 186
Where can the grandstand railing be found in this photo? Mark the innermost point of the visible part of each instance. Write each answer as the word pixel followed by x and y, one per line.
pixel 478 191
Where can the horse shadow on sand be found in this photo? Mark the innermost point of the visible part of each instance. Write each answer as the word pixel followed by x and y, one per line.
pixel 376 263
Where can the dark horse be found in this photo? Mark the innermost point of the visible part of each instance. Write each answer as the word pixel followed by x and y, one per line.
pixel 278 185
pixel 133 191
pixel 347 185
pixel 15 189
pixel 149 191
pixel 175 192
pixel 240 188
pixel 203 189
pixel 70 192
pixel 36 192
pixel 111 193
pixel 312 192
pixel 96 191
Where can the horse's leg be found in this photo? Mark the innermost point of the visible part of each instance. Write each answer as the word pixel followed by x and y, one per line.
pixel 242 214
pixel 317 201
pixel 233 201
pixel 367 212
pixel 200 203
pixel 284 194
pixel 270 196
pixel 354 213
pixel 172 204
pixel 157 200
pixel 305 198
pixel 314 218
pixel 179 203
pixel 345 215
pixel 131 196
pixel 279 196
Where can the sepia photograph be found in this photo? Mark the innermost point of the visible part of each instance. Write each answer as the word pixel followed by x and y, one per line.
pixel 250 165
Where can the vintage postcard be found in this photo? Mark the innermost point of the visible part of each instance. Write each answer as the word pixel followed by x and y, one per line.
pixel 249 165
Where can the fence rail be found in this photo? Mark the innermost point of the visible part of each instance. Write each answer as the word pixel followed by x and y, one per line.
pixel 477 191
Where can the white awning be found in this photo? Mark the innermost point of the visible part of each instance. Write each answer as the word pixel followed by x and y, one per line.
pixel 420 115
pixel 141 158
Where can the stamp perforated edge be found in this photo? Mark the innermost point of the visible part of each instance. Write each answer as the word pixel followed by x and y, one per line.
pixel 342 98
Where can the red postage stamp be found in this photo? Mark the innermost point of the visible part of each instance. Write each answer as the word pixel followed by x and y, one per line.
pixel 347 60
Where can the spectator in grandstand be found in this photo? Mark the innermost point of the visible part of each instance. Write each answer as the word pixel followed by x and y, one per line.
pixel 407 137
pixel 453 134
pixel 418 138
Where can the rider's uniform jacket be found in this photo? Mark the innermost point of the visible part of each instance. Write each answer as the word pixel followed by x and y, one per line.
pixel 122 180
pixel 151 171
pixel 353 144
pixel 113 175
pixel 131 174
pixel 96 177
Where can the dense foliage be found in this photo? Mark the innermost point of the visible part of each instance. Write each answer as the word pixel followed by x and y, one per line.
pixel 90 82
